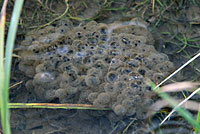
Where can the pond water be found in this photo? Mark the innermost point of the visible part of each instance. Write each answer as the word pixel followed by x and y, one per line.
pixel 101 53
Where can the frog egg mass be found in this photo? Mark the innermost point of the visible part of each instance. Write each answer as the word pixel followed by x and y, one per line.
pixel 105 65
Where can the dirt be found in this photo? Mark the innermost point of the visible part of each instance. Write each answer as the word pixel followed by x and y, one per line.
pixel 173 29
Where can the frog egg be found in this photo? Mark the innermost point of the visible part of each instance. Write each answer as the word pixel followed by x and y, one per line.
pixel 120 97
pixel 100 65
pixel 96 34
pixel 62 50
pixel 139 56
pixel 124 78
pixel 146 62
pixel 65 67
pixel 66 40
pixel 120 86
pixel 166 66
pixel 29 85
pixel 137 88
pixel 104 38
pixel 40 68
pixel 87 61
pixel 62 30
pixel 125 41
pixel 95 72
pixel 97 103
pixel 60 93
pixel 162 57
pixel 127 103
pixel 134 86
pixel 114 45
pixel 95 57
pixel 102 28
pixel 129 93
pixel 35 47
pixel 92 96
pixel 137 99
pixel 79 33
pixel 131 111
pixel 90 24
pixel 77 43
pixel 103 98
pixel 50 95
pixel 40 92
pixel 49 38
pixel 124 70
pixel 64 23
pixel 153 59
pixel 43 78
pixel 80 45
pixel 100 51
pixel 71 75
pixel 45 39
pixel 158 77
pixel 112 76
pixel 66 59
pixel 29 71
pixel 52 65
pixel 71 90
pixel 115 63
pixel 142 71
pixel 120 110
pixel 147 49
pixel 89 52
pixel 133 63
pixel 133 77
pixel 109 88
pixel 92 40
pixel 71 52
pixel 107 59
pixel 138 43
pixel 79 55
pixel 114 52
pixel 92 81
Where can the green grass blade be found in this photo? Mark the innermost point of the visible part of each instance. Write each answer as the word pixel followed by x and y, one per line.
pixel 6 66
pixel 55 106
pixel 198 121
pixel 3 99
pixel 160 3
pixel 10 39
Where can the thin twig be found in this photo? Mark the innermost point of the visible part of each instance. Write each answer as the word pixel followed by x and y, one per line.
pixel 16 84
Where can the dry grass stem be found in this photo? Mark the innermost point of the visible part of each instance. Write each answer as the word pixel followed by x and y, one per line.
pixel 16 84
pixel 180 68
pixel 180 104
pixel 179 86
pixel 190 105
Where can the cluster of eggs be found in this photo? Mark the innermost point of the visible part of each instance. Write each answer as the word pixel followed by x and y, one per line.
pixel 101 64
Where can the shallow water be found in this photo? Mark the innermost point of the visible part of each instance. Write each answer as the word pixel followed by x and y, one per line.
pixel 165 30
